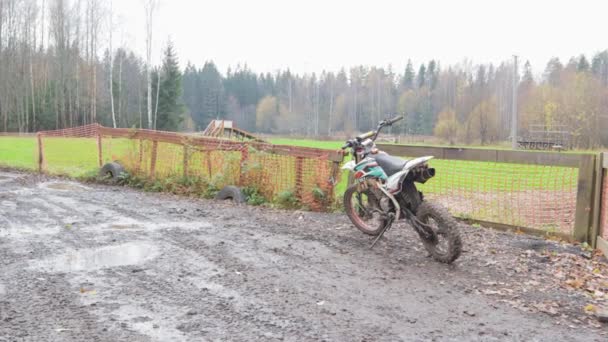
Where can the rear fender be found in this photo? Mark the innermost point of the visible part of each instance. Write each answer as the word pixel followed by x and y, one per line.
pixel 394 182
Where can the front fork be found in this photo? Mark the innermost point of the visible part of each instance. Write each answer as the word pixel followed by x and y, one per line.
pixel 425 231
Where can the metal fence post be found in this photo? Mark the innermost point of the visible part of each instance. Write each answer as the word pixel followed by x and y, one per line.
pixel 584 199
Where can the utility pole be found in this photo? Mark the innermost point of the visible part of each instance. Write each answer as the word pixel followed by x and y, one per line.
pixel 514 106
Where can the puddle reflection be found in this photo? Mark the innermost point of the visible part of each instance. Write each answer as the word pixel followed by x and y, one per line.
pixel 98 258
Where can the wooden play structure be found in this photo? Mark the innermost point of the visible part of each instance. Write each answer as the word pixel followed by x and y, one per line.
pixel 227 129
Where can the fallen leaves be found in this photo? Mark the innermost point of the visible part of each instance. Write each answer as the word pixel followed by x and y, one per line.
pixel 590 308
pixel 538 276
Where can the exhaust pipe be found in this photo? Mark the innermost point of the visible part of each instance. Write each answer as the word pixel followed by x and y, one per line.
pixel 424 175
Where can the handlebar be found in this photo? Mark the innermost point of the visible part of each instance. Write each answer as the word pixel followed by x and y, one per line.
pixel 395 119
pixel 373 134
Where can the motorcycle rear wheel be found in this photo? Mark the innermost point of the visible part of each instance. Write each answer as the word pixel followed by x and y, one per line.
pixel 448 245
pixel 360 206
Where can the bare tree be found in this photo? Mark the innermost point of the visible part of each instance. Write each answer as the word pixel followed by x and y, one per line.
pixel 111 79
pixel 150 8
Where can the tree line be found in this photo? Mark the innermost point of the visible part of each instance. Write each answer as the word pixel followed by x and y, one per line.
pixel 53 74
pixel 464 102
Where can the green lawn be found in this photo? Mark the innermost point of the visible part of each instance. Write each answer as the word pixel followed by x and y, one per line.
pixel 64 156
pixel 479 176
pixel 19 152
pixel 328 145
pixel 76 156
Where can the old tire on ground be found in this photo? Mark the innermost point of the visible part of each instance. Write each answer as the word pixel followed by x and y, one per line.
pixel 231 193
pixel 446 228
pixel 359 207
pixel 111 171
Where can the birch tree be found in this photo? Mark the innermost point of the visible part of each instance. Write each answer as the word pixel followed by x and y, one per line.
pixel 150 9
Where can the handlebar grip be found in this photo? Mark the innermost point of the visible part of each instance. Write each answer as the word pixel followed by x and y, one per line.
pixel 395 119
pixel 347 145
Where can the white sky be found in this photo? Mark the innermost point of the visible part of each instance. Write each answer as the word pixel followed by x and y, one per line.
pixel 312 35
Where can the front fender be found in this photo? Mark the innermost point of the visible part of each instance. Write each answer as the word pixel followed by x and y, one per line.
pixel 350 166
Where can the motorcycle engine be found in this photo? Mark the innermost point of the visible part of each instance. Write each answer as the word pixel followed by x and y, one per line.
pixel 385 204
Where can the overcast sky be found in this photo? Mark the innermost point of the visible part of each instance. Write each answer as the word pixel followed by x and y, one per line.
pixel 314 35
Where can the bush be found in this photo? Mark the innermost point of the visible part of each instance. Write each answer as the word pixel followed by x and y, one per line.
pixel 253 196
pixel 287 199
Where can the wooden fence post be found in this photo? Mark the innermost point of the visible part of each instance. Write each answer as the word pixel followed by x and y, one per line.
pixel 153 158
pixel 141 154
pixel 186 158
pixel 99 150
pixel 244 157
pixel 209 165
pixel 597 200
pixel 299 177
pixel 584 198
pixel 40 153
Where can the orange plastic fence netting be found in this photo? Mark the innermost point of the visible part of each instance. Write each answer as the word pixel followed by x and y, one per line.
pixel 604 208
pixel 71 151
pixel 305 173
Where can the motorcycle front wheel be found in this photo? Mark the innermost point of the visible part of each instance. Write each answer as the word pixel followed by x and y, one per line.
pixel 363 209
pixel 447 246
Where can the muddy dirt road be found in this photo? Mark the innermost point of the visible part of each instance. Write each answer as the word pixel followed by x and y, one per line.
pixel 100 263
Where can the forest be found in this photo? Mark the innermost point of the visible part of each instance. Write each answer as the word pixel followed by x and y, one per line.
pixel 61 67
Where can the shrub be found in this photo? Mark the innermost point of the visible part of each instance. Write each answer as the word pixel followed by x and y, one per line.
pixel 287 199
pixel 253 196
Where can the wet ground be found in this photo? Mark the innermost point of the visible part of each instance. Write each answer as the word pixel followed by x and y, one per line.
pixel 99 263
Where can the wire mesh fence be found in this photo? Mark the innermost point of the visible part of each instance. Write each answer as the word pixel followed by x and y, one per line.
pixel 549 192
pixel 506 190
pixel 535 196
pixel 306 174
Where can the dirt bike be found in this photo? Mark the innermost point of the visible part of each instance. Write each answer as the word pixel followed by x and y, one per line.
pixel 384 191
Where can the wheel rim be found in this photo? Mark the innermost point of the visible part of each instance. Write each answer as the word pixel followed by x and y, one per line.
pixel 441 244
pixel 363 206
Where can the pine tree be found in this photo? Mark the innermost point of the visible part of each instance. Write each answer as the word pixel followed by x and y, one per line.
pixel 170 106
pixel 583 64
pixel 553 71
pixel 408 76
pixel 421 76
pixel 212 93
pixel 528 77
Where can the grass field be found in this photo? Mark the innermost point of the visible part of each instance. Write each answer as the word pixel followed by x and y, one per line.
pixel 77 156
pixel 478 176
pixel 536 196
pixel 18 152
pixel 65 156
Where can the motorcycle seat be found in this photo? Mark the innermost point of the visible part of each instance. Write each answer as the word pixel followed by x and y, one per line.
pixel 389 164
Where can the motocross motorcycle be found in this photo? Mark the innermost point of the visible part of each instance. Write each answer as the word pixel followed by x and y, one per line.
pixel 384 191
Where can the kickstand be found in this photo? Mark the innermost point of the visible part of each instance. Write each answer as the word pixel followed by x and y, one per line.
pixel 389 223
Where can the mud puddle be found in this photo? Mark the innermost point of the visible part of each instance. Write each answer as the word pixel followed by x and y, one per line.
pixel 63 186
pixel 150 323
pixel 132 253
pixel 6 177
